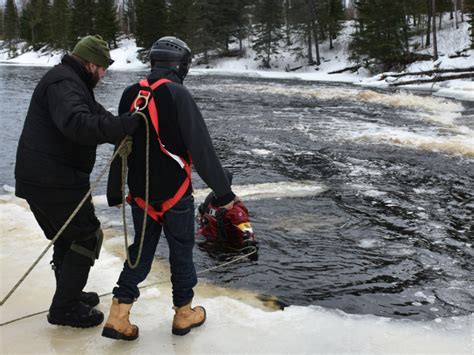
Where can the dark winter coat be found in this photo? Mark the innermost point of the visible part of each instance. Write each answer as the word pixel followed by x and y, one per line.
pixel 64 125
pixel 182 131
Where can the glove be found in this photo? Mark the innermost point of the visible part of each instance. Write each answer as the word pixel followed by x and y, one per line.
pixel 130 122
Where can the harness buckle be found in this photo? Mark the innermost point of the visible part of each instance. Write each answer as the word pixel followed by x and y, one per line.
pixel 141 101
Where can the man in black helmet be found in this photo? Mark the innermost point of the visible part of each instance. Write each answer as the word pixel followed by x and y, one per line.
pixel 178 135
pixel 55 156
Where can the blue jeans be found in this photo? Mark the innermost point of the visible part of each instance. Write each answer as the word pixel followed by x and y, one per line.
pixel 178 226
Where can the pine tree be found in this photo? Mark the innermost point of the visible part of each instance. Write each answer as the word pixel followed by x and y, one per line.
pixel 207 35
pixel 82 19
pixel 330 16
pixel 268 29
pixel 380 32
pixel 34 23
pixel 182 20
pixel 59 22
pixel 152 21
pixel 106 23
pixel 237 16
pixel 301 26
pixel 11 23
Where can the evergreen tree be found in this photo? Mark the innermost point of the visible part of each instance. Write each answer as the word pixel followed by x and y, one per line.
pixel 237 16
pixel 59 22
pixel 223 22
pixel 268 29
pixel 11 23
pixel 330 16
pixel 106 23
pixel 82 19
pixel 301 26
pixel 34 23
pixel 380 32
pixel 152 21
pixel 182 20
pixel 207 30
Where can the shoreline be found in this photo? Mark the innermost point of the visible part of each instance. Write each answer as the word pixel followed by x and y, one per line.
pixel 446 89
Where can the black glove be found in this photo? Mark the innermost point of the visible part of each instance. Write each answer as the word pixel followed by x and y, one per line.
pixel 130 122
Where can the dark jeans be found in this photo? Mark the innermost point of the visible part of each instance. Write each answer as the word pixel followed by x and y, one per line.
pixel 71 269
pixel 178 226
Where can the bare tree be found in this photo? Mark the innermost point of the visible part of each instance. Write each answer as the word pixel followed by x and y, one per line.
pixel 456 13
pixel 435 42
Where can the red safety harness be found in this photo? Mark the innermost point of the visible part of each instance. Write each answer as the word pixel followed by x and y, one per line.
pixel 145 100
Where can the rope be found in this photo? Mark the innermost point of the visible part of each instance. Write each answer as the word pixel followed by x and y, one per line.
pixel 73 214
pixel 123 150
pixel 147 185
pixel 142 287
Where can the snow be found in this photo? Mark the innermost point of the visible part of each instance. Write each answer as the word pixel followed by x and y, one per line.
pixel 237 322
pixel 450 41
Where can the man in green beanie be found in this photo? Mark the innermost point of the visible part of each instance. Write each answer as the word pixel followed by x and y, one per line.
pixel 55 156
pixel 94 54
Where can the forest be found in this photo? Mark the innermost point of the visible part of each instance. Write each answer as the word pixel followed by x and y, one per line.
pixel 387 34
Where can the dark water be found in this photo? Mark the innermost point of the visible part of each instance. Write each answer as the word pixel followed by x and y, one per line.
pixel 392 232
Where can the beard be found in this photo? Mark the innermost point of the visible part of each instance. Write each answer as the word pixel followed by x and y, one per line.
pixel 95 78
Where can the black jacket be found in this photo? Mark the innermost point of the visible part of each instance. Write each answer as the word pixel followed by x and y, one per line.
pixel 182 130
pixel 57 148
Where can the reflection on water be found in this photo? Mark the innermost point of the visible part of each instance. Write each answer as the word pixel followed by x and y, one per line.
pixel 389 230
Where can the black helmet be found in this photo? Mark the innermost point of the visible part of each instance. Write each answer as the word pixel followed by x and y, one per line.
pixel 173 53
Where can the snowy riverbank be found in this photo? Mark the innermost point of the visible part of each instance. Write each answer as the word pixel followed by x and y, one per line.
pixel 450 42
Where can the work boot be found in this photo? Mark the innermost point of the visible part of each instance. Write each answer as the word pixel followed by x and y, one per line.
pixel 89 298
pixel 78 316
pixel 186 318
pixel 118 325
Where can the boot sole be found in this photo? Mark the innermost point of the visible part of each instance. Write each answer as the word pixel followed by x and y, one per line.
pixel 53 321
pixel 116 335
pixel 184 331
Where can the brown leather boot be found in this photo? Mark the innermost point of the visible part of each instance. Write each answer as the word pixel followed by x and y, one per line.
pixel 186 318
pixel 118 325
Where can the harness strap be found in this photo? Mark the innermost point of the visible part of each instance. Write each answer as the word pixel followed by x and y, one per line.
pixel 146 94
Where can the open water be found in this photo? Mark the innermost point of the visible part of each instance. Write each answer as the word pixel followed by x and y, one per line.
pixel 391 231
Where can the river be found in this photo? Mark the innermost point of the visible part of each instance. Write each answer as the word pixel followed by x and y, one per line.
pixel 390 231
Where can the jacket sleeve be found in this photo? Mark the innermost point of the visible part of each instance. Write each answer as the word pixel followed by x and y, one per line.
pixel 114 182
pixel 198 141
pixel 73 117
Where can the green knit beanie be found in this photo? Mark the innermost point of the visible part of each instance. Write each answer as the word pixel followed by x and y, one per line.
pixel 93 49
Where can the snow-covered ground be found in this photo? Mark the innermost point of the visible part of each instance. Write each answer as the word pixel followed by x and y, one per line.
pixel 238 322
pixel 450 41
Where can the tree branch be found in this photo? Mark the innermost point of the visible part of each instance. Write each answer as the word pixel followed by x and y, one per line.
pixel 436 79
